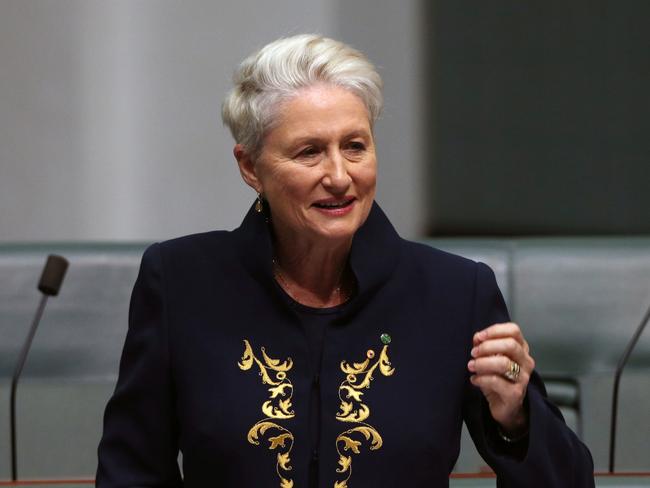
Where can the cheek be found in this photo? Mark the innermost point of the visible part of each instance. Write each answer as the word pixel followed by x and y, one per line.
pixel 278 181
pixel 367 179
pixel 299 181
pixel 291 195
pixel 295 187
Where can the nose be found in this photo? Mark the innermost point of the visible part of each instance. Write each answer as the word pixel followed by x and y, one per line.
pixel 336 177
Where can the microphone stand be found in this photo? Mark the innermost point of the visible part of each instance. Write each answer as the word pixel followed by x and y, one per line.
pixel 14 381
pixel 49 285
pixel 617 380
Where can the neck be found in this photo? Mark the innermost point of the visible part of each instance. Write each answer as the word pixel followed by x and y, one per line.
pixel 314 274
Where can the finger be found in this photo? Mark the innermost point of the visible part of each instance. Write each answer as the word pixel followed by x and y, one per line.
pixel 495 365
pixel 495 385
pixel 507 347
pixel 508 329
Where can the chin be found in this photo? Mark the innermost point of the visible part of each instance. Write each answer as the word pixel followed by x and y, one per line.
pixel 337 233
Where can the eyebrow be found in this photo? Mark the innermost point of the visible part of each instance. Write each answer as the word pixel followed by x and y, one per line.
pixel 358 133
pixel 315 140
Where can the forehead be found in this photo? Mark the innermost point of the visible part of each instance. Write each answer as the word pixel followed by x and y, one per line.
pixel 321 110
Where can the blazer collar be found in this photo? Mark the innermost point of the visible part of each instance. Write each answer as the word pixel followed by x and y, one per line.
pixel 373 256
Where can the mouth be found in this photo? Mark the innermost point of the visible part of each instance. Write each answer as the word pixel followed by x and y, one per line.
pixel 334 203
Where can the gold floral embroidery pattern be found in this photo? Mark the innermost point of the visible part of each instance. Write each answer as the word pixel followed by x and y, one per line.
pixel 354 411
pixel 277 407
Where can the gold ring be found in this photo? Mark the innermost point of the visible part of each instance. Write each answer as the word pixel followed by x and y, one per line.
pixel 512 373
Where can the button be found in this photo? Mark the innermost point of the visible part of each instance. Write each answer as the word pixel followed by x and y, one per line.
pixel 316 380
pixel 314 455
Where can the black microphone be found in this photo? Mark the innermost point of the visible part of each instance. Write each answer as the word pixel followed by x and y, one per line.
pixel 49 285
pixel 617 380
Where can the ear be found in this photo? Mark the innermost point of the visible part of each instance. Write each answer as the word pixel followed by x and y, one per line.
pixel 247 167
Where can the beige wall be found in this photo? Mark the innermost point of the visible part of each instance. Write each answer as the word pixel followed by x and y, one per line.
pixel 109 111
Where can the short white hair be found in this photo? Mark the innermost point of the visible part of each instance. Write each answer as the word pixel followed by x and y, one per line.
pixel 280 69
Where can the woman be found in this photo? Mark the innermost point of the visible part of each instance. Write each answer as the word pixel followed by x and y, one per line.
pixel 312 346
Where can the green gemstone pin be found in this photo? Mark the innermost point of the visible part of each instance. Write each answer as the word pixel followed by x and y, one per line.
pixel 385 338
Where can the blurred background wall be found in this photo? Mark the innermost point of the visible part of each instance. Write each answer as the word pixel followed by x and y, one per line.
pixel 541 116
pixel 110 123
pixel 502 117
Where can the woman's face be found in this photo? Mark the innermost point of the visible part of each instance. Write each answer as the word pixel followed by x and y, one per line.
pixel 317 167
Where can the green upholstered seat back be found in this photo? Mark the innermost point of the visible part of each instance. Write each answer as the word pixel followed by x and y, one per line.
pixel 72 366
pixel 580 301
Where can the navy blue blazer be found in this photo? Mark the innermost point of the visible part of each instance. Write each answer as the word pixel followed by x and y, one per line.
pixel 217 365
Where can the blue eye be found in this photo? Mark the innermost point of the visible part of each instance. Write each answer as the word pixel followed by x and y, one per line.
pixel 356 146
pixel 308 152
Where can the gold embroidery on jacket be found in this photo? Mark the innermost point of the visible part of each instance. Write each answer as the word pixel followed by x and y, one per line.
pixel 277 407
pixel 354 411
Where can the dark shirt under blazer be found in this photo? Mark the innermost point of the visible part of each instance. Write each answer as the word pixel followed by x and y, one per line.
pixel 217 364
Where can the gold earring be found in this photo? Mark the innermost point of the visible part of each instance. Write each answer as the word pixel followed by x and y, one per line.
pixel 259 205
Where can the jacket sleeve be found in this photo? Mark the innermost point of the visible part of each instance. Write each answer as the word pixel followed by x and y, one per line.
pixel 551 454
pixel 139 445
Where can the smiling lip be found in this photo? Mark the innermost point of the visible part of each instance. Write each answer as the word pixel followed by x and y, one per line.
pixel 335 206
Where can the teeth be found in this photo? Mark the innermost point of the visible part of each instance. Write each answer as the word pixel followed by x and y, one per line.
pixel 333 205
